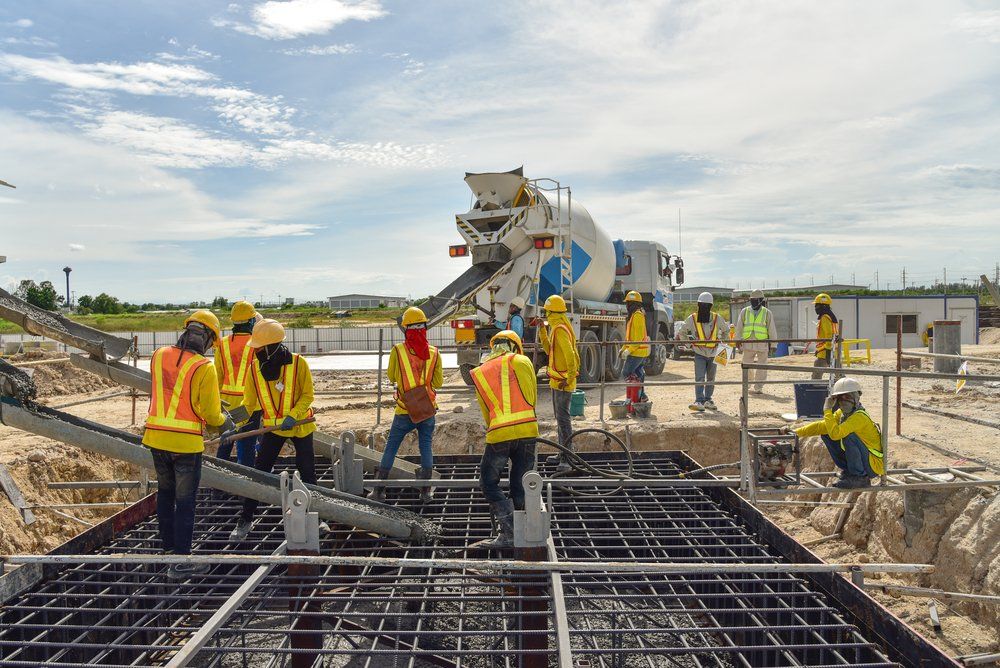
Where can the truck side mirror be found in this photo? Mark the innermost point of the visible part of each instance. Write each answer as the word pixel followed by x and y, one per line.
pixel 679 275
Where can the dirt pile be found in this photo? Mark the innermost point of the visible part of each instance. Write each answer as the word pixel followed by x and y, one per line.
pixel 989 335
pixel 59 379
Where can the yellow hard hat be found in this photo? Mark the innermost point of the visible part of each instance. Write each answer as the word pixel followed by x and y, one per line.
pixel 206 318
pixel 509 335
pixel 267 332
pixel 555 304
pixel 243 311
pixel 633 296
pixel 823 298
pixel 413 316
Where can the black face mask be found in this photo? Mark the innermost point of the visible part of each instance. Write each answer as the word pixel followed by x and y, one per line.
pixel 244 327
pixel 271 359
pixel 755 304
pixel 704 312
pixel 633 307
pixel 195 338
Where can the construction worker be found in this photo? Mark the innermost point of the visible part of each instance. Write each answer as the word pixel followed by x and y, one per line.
pixel 636 350
pixel 506 388
pixel 826 329
pixel 850 435
pixel 415 368
pixel 233 359
pixel 184 399
pixel 754 325
pixel 928 336
pixel 559 342
pixel 515 321
pixel 281 387
pixel 700 327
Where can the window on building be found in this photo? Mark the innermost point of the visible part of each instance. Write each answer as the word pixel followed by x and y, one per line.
pixel 909 323
pixel 355 303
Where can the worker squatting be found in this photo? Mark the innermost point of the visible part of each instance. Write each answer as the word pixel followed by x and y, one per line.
pixel 255 376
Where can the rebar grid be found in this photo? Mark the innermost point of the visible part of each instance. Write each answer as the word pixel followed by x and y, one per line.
pixel 380 616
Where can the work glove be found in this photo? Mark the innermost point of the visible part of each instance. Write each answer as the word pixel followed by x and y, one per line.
pixel 829 404
pixel 288 423
pixel 623 353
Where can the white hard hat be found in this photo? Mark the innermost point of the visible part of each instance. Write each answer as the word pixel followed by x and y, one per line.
pixel 518 302
pixel 757 294
pixel 706 298
pixel 845 386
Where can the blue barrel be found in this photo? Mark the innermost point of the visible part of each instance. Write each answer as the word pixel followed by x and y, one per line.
pixel 809 399
pixel 576 402
pixel 781 350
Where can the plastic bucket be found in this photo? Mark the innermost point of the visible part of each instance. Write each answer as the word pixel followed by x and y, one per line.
pixel 576 403
pixel 809 399
pixel 643 409
pixel 781 350
pixel 619 409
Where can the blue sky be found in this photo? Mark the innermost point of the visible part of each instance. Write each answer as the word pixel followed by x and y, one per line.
pixel 177 151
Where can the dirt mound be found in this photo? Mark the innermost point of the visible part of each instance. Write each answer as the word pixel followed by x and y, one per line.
pixel 59 379
pixel 989 335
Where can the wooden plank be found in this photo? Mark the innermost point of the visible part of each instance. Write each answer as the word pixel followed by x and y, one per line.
pixel 15 496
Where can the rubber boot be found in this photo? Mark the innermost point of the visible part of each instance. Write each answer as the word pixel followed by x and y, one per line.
pixel 426 493
pixel 378 493
pixel 503 513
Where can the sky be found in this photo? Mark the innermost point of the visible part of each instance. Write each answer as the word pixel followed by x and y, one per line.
pixel 178 151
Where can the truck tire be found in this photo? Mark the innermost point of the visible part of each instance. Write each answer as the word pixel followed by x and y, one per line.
pixel 658 355
pixel 590 360
pixel 466 370
pixel 613 364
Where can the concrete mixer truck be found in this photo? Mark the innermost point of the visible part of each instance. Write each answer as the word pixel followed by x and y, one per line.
pixel 529 238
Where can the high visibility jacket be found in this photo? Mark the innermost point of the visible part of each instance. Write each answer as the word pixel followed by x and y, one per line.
pixel 291 394
pixel 859 422
pixel 712 335
pixel 407 371
pixel 826 328
pixel 559 342
pixel 506 389
pixel 233 357
pixel 636 335
pixel 184 398
pixel 755 324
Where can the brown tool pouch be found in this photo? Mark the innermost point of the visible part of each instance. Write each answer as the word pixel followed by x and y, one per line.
pixel 418 404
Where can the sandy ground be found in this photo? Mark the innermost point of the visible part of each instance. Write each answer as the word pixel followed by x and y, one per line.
pixel 711 438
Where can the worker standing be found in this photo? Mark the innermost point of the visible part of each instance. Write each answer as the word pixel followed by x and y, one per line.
pixel 559 342
pixel 415 368
pixel 636 350
pixel 852 438
pixel 281 387
pixel 826 329
pixel 702 327
pixel 515 321
pixel 184 399
pixel 233 357
pixel 754 326
pixel 506 389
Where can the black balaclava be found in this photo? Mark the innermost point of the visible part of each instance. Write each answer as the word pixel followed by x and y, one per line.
pixel 704 312
pixel 824 309
pixel 197 338
pixel 848 403
pixel 272 358
pixel 756 303
pixel 244 327
pixel 633 307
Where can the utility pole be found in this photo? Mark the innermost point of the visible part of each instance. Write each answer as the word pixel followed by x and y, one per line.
pixel 876 281
pixel 996 275
pixel 852 279
pixel 904 278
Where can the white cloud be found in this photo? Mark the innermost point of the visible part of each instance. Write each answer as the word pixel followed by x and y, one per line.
pixel 983 24
pixel 77 248
pixel 290 19
pixel 21 23
pixel 330 50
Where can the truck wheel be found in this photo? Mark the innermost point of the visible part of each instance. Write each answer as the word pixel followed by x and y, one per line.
pixel 675 352
pixel 466 370
pixel 658 355
pixel 613 364
pixel 590 360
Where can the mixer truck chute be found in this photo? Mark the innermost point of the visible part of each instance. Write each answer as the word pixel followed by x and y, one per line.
pixel 529 238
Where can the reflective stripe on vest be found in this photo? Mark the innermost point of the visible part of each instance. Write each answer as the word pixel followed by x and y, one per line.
pixel 274 415
pixel 410 379
pixel 825 344
pixel 755 327
pixel 553 371
pixel 234 383
pixel 628 332
pixel 875 453
pixel 712 336
pixel 172 410
pixel 497 376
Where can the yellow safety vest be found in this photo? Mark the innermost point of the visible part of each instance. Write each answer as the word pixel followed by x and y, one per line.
pixel 170 406
pixel 234 378
pixel 274 414
pixel 497 377
pixel 712 336
pixel 755 327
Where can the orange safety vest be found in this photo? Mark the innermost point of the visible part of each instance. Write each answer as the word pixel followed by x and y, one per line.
pixel 236 355
pixel 553 371
pixel 273 413
pixel 410 379
pixel 712 336
pixel 496 382
pixel 170 407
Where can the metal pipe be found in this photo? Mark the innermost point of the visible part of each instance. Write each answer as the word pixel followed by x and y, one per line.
pixel 899 381
pixel 832 504
pixel 92 400
pixel 121 373
pixel 40 362
pixel 969 358
pixel 905 487
pixel 927 592
pixel 885 422
pixel 378 379
pixel 872 372
pixel 955 416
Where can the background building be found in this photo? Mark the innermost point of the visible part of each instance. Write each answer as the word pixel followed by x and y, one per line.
pixel 343 302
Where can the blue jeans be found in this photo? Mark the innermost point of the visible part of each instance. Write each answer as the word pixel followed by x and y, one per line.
pixel 521 453
pixel 177 479
pixel 246 448
pixel 401 426
pixel 636 366
pixel 852 457
pixel 704 370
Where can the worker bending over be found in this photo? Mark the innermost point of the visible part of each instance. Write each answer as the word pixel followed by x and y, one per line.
pixel 559 342
pixel 233 357
pixel 415 368
pixel 184 399
pixel 506 389
pixel 754 325
pixel 281 387
pixel 700 327
pixel 515 321
pixel 826 329
pixel 635 351
pixel 851 436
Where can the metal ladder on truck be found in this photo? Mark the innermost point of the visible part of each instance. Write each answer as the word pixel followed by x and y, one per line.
pixel 564 233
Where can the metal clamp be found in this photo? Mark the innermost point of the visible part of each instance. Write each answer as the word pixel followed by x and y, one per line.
pixel 348 470
pixel 301 526
pixel 531 525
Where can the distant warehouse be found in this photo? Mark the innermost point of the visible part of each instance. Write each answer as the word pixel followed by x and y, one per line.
pixel 343 302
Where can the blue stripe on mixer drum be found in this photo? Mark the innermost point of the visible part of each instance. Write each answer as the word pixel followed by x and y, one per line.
pixel 548 280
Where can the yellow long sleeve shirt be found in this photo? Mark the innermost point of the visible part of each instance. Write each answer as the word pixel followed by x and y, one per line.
pixel 825 330
pixel 566 362
pixel 524 371
pixel 836 427
pixel 302 395
pixel 635 335
pixel 206 403
pixel 394 373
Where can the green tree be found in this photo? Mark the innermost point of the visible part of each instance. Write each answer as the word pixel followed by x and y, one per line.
pixel 85 301
pixel 105 303
pixel 43 295
pixel 220 302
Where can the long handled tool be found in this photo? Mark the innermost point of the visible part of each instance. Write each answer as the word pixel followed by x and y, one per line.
pixel 239 436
